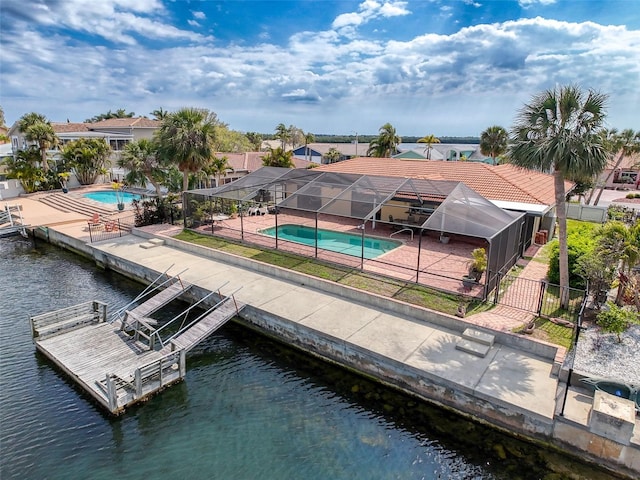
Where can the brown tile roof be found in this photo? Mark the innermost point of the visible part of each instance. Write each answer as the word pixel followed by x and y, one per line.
pixel 503 182
pixel 67 127
pixel 252 161
pixel 628 162
pixel 135 122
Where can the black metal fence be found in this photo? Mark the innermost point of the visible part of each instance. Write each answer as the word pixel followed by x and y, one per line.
pixel 107 228
pixel 537 296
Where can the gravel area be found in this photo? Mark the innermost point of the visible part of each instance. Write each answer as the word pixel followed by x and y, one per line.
pixel 601 355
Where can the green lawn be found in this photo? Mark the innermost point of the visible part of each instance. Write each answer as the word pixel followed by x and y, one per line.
pixel 406 292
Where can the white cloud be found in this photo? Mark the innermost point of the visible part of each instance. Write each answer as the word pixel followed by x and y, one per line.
pixel 322 81
pixel 370 10
pixel 528 3
pixel 199 15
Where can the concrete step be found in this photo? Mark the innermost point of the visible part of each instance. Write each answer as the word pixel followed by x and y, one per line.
pixel 147 245
pixel 156 241
pixel 68 203
pixel 474 348
pixel 478 336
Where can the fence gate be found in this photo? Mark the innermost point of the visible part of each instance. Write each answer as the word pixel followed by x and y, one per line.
pixel 536 296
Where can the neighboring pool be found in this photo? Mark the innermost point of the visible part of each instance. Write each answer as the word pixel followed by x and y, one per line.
pixel 340 242
pixel 107 196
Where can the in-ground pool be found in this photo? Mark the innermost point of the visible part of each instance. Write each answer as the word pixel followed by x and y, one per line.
pixel 109 196
pixel 340 242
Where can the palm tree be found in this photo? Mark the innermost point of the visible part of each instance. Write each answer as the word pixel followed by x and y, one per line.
pixel 493 142
pixel 140 159
pixel 560 131
pixel 256 140
pixel 277 157
pixel 386 143
pixel 282 134
pixel 23 167
pixel 308 138
pixel 159 114
pixel 38 129
pixel 218 166
pixel 429 140
pixel 296 136
pixel 88 158
pixel 333 155
pixel 186 138
pixel 623 144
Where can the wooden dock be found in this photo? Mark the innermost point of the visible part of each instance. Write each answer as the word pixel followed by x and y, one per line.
pixel 121 365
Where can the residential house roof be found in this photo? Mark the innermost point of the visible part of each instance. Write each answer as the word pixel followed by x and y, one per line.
pixel 68 127
pixel 133 122
pixel 501 183
pixel 252 161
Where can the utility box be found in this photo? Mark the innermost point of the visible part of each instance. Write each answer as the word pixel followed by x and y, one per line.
pixel 612 417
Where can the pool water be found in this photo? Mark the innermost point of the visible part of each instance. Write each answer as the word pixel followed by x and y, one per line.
pixel 340 242
pixel 107 196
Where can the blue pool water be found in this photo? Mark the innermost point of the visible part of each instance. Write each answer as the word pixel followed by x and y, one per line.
pixel 106 196
pixel 340 242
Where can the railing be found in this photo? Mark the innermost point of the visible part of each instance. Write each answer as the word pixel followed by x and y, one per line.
pixel 109 228
pixel 147 378
pixel 68 318
pixel 537 296
pixel 193 322
pixel 152 287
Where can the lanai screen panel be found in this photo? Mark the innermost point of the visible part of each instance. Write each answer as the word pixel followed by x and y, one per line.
pixel 465 212
pixel 364 197
pixel 314 194
pixel 247 187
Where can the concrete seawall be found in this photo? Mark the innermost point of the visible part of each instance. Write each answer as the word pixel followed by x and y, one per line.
pixel 492 390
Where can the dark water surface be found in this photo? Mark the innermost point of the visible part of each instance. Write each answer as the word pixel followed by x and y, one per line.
pixel 249 408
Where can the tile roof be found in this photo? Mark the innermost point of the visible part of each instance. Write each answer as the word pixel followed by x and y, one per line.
pixel 252 161
pixel 628 162
pixel 503 182
pixel 67 127
pixel 134 122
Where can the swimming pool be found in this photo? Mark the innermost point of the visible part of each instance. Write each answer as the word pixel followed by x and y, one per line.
pixel 108 196
pixel 340 242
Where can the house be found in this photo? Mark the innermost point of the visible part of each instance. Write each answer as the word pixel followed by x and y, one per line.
pixel 245 163
pixel 117 132
pixel 625 176
pixel 450 152
pixel 506 186
pixel 315 152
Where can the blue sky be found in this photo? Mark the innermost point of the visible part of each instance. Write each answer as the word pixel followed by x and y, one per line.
pixel 427 67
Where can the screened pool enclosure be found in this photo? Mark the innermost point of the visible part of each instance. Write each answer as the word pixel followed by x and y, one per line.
pixel 419 230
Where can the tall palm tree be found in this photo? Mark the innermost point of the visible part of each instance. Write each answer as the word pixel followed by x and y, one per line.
pixel 493 142
pixel 256 140
pixel 159 114
pixel 140 159
pixel 38 129
pixel 308 138
pixel 429 140
pixel 282 134
pixel 219 166
pixel 386 143
pixel 560 131
pixel 186 138
pixel 623 144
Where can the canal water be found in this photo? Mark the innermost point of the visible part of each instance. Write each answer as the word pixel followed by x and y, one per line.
pixel 249 408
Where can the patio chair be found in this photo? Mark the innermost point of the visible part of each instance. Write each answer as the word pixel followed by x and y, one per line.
pixel 95 221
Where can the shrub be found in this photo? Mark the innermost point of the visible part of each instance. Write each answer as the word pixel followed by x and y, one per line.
pixel 616 319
